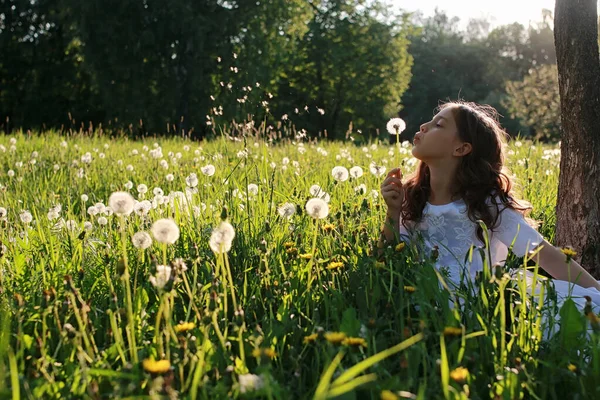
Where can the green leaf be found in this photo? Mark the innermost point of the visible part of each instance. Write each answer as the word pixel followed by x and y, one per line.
pixel 350 324
pixel 572 323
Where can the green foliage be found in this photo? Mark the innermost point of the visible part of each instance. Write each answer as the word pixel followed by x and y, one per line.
pixel 536 102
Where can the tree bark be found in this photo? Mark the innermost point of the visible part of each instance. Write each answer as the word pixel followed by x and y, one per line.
pixel 578 203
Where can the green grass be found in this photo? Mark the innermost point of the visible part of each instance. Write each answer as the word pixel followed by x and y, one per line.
pixel 81 319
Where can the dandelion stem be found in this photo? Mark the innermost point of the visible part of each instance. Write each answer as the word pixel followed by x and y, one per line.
pixel 127 282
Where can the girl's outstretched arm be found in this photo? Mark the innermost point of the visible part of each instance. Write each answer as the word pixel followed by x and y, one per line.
pixel 555 263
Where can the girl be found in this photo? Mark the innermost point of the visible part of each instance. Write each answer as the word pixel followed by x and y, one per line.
pixel 460 180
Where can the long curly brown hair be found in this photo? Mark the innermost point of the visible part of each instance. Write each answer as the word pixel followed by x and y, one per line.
pixel 480 175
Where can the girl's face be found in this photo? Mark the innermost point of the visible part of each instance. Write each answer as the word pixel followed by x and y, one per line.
pixel 438 139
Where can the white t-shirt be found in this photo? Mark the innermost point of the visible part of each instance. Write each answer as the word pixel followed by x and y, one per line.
pixel 449 228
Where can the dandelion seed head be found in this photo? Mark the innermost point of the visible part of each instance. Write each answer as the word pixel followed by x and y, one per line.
pixel 25 217
pixel 286 210
pixel 162 276
pixel 208 170
pixel 165 231
pixel 121 203
pixel 395 126
pixel 317 208
pixel 221 238
pixel 141 240
pixel 340 174
pixel 191 180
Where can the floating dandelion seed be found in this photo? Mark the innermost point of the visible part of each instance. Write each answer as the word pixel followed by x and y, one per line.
pixel 141 240
pixel 221 238
pixel 165 231
pixel 317 208
pixel 339 173
pixel 121 203
pixel 395 126
pixel 286 210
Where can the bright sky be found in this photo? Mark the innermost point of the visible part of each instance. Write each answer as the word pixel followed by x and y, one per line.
pixel 498 12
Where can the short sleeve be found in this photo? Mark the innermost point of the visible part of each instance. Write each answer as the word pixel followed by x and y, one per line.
pixel 512 226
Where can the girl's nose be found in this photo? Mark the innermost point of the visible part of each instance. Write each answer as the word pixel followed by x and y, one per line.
pixel 423 127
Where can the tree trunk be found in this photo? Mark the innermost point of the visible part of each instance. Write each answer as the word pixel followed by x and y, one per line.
pixel 578 203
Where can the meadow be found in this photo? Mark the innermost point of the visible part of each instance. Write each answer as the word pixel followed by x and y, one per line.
pixel 224 279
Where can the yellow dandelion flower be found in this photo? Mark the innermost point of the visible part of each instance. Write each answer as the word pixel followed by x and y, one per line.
pixel 452 331
pixel 335 337
pixel 335 265
pixel 379 264
pixel 287 245
pixel 355 341
pixel 410 289
pixel 269 352
pixel 292 251
pixel 459 374
pixel 156 367
pixel 572 367
pixel 328 227
pixel 311 338
pixel 569 252
pixel 388 395
pixel 400 246
pixel 186 326
pixel 306 256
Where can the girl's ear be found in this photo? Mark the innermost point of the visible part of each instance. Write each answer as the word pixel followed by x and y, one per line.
pixel 463 149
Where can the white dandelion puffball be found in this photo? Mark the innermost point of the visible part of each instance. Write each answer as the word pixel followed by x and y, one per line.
pixel 84 197
pixel 162 276
pixel 208 170
pixel 3 212
pixel 395 126
pixel 102 221
pixel 340 174
pixel 165 231
pixel 253 189
pixel 141 240
pixel 121 203
pixel 142 189
pixel 170 177
pixel 286 210
pixel 315 190
pixel 221 238
pixel 192 180
pixel 317 208
pixel 377 170
pixel 25 216
pixel 356 172
pixel 361 189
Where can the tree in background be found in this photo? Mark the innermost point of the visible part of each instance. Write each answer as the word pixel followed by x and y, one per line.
pixel 536 103
pixel 471 64
pixel 578 204
pixel 41 79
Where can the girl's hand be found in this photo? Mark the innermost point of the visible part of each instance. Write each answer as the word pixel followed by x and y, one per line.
pixel 392 191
